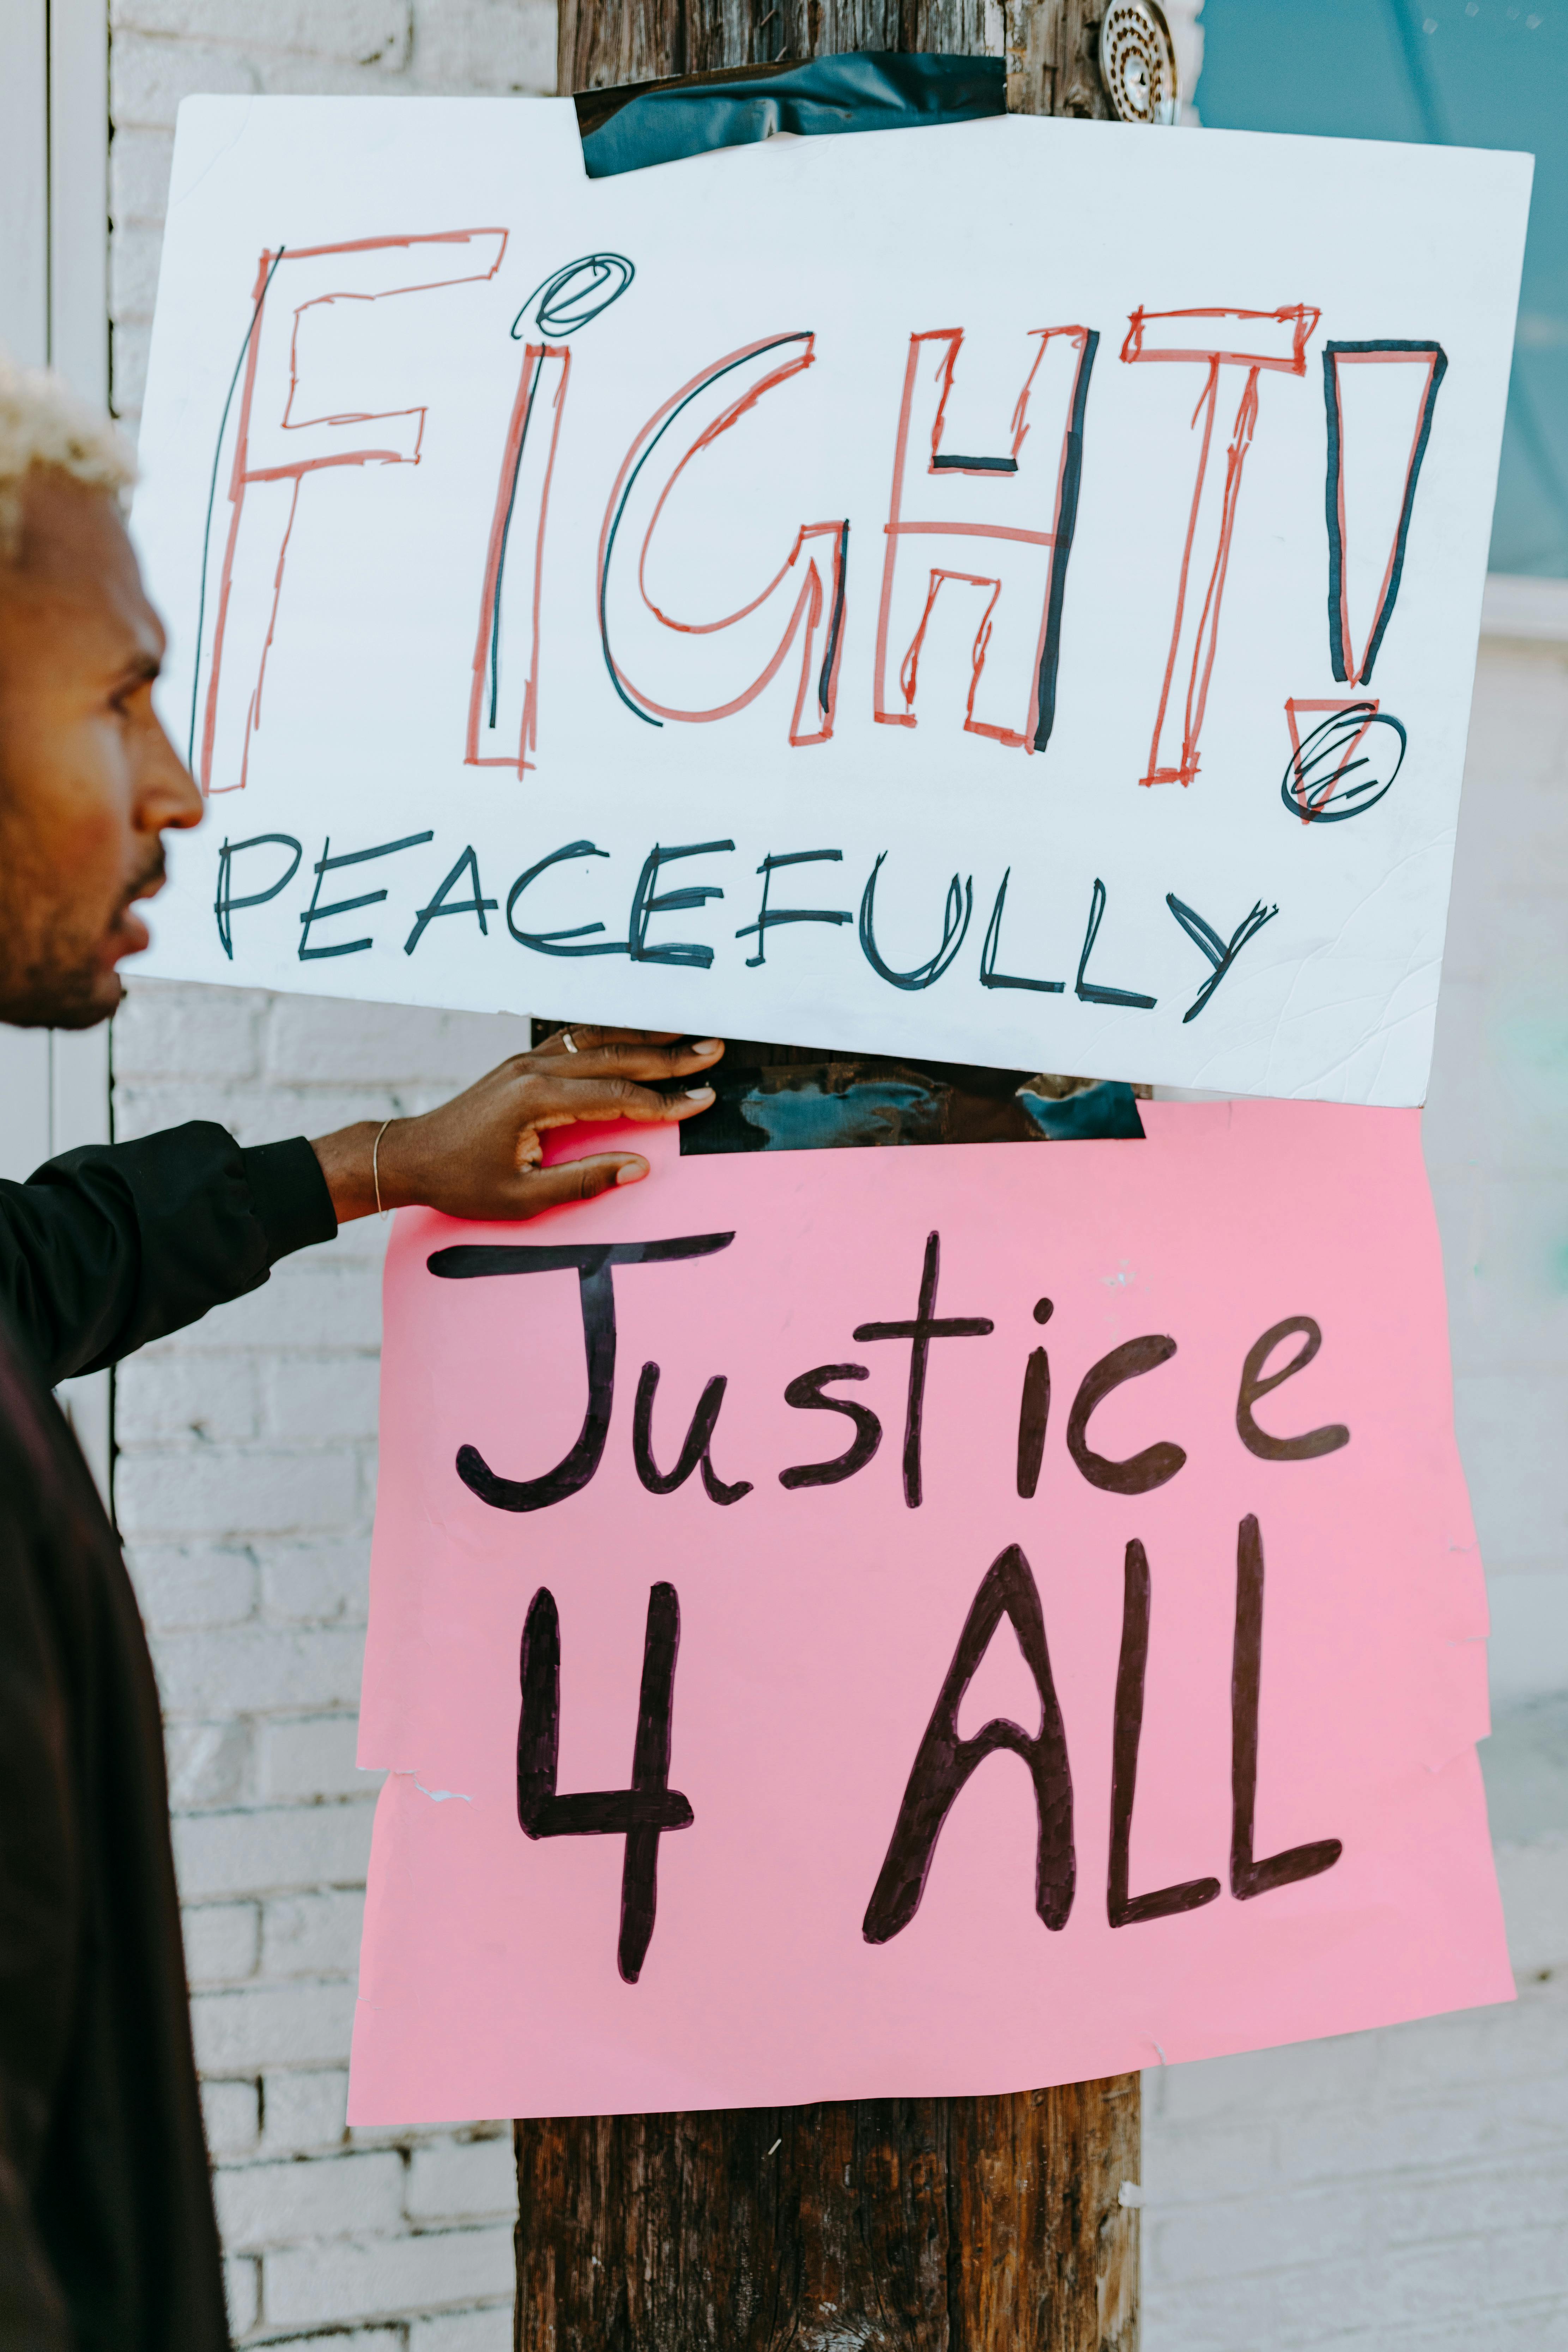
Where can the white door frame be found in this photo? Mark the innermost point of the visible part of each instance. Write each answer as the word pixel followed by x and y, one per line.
pixel 53 311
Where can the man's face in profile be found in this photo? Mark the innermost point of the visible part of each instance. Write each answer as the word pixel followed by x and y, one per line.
pixel 88 781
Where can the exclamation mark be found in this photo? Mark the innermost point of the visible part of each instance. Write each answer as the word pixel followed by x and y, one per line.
pixel 1375 396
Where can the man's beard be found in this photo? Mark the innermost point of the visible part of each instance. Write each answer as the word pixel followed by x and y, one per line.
pixel 48 994
pixel 50 977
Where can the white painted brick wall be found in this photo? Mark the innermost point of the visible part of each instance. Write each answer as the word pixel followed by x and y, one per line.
pixel 1404 2190
pixel 164 50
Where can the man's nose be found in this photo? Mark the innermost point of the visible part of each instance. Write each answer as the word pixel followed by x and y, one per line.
pixel 169 794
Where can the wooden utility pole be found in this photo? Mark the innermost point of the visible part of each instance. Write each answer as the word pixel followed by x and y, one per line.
pixel 1050 44
pixel 872 2225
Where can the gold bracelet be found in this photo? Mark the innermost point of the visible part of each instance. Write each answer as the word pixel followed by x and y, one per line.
pixel 375 1167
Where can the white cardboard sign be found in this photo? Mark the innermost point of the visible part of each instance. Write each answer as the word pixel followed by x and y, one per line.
pixel 1008 591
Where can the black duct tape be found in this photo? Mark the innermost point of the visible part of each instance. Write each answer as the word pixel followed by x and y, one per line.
pixel 870 89
pixel 859 1100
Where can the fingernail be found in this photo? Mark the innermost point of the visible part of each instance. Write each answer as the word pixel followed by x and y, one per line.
pixel 698 1094
pixel 707 1046
pixel 633 1172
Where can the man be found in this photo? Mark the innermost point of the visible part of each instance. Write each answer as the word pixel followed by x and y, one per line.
pixel 106 2237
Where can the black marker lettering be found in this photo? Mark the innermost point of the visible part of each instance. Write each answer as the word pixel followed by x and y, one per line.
pixel 811 600
pixel 920 1331
pixel 695 1449
pixel 1090 991
pixel 1140 1473
pixel 1313 1442
pixel 944 1762
pixel 1316 786
pixel 1342 650
pixel 1066 523
pixel 548 942
pixel 768 918
pixel 1034 1410
pixel 1221 953
pixel 594 1264
pixel 1123 1909
pixel 1249 1877
pixel 670 902
pixel 225 905
pixel 989 975
pixel 959 907
pixel 441 905
pixel 805 1394
pixel 575 296
pixel 641 1813
pixel 315 913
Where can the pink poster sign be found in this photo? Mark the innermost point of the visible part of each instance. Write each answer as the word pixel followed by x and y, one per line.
pixel 854 1624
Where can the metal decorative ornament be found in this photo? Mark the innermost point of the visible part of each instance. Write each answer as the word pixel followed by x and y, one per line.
pixel 1138 62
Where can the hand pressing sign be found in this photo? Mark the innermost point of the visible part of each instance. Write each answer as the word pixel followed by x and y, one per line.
pixel 482 1154
pixel 1103 1683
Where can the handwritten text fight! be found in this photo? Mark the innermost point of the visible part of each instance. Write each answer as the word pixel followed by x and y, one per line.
pixel 986 534
pixel 789 594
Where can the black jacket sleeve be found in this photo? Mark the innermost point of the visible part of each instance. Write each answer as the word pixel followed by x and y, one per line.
pixel 40 1894
pixel 114 1244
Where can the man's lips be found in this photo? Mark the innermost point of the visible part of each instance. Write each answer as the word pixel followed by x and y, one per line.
pixel 127 937
pixel 130 934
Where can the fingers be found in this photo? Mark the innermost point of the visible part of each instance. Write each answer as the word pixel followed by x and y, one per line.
pixel 575 1180
pixel 624 1053
pixel 548 1100
pixel 583 1035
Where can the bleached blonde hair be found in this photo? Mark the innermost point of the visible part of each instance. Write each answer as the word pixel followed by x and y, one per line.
pixel 44 423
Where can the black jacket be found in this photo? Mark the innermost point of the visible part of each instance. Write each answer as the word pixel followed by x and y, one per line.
pixel 106 2237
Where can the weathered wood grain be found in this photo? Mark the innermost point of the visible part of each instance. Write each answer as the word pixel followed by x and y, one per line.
pixel 601 46
pixel 1051 51
pixel 1050 48
pixel 882 2225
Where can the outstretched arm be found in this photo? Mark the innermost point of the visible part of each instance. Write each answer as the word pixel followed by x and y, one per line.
pixel 109 1247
